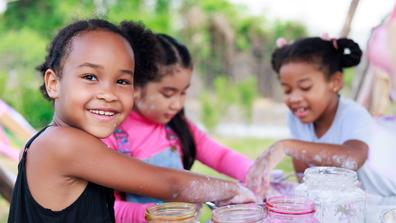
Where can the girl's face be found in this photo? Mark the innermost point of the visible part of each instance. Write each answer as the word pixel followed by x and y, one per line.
pixel 160 101
pixel 308 94
pixel 95 91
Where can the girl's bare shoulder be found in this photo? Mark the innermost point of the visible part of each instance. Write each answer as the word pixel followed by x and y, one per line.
pixel 63 142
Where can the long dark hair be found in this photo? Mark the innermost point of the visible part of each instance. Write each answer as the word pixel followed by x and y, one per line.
pixel 173 52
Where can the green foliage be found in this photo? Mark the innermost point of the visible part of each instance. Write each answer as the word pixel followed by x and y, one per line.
pixel 158 15
pixel 247 91
pixel 3 82
pixel 27 27
pixel 349 73
pixel 227 93
pixel 33 14
pixel 214 104
pixel 249 28
pixel 290 30
pixel 210 115
pixel 21 51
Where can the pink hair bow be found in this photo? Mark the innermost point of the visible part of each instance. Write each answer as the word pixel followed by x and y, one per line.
pixel 281 42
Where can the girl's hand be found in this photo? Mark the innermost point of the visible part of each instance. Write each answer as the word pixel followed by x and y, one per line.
pixel 243 195
pixel 258 176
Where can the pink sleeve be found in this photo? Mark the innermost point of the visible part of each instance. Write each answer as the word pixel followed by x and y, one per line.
pixel 128 211
pixel 110 142
pixel 219 157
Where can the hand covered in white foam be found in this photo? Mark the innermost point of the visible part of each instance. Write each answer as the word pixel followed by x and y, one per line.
pixel 243 195
pixel 258 176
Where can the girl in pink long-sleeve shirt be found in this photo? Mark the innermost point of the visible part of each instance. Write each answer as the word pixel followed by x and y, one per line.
pixel 157 131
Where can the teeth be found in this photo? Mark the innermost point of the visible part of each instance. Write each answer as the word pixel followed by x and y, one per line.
pixel 100 112
pixel 300 109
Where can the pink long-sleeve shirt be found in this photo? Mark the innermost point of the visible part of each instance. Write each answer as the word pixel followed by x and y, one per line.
pixel 155 143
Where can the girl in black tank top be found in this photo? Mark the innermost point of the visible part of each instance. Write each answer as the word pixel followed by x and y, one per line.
pixel 88 74
pixel 95 204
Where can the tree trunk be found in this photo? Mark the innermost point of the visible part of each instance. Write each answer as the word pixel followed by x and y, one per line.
pixel 348 20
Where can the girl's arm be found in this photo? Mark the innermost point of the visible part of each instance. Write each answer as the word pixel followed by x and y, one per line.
pixel 351 154
pixel 126 211
pixel 219 157
pixel 299 168
pixel 79 155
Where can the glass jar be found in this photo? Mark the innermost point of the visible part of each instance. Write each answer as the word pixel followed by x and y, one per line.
pixel 172 212
pixel 238 213
pixel 335 193
pixel 282 209
pixel 389 216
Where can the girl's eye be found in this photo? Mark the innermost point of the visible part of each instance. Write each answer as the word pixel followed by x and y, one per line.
pixel 124 82
pixel 306 88
pixel 167 95
pixel 90 77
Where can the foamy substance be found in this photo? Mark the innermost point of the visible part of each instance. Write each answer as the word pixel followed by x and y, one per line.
pixel 335 193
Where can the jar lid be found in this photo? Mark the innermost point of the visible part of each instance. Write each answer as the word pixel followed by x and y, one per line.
pixel 171 211
pixel 238 213
pixel 290 205
pixel 389 216
pixel 324 175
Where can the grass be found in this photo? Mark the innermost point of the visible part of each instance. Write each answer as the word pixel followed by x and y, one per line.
pixel 251 147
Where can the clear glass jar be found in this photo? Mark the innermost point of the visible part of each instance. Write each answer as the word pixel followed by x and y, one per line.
pixel 238 213
pixel 282 209
pixel 335 193
pixel 389 216
pixel 172 212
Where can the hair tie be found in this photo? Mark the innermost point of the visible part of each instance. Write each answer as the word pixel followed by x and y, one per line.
pixel 281 42
pixel 334 42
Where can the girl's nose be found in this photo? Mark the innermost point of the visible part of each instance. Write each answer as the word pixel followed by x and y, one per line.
pixel 294 97
pixel 106 93
pixel 177 104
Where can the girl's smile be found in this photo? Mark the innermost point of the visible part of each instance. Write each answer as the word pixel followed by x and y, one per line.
pixel 308 93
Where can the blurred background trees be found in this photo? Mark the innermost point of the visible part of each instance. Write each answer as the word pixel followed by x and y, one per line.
pixel 231 49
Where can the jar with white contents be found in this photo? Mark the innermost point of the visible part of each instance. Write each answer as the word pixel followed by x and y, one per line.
pixel 336 194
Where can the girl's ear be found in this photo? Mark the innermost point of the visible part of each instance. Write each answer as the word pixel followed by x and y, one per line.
pixel 51 81
pixel 336 82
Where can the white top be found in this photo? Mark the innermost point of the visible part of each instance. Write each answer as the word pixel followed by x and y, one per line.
pixel 353 122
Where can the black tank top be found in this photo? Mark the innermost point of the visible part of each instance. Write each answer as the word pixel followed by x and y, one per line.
pixel 95 204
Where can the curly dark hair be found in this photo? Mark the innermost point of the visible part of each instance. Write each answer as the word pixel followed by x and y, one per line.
pixel 145 47
pixel 60 47
pixel 140 38
pixel 330 55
